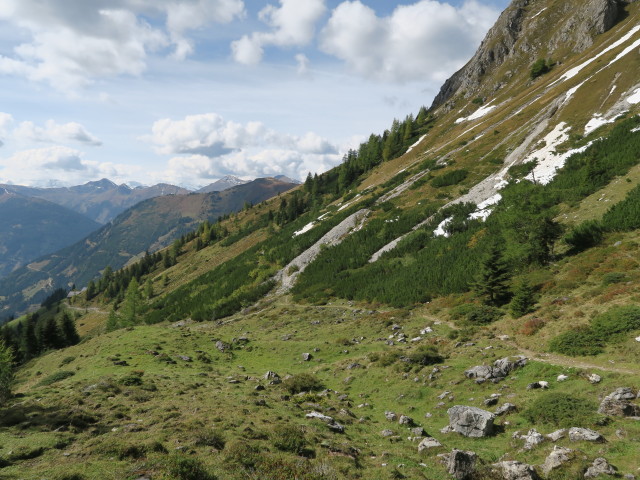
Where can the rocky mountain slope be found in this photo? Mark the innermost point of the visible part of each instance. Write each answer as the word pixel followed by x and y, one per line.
pixel 458 299
pixel 146 227
pixel 228 181
pixel 31 228
pixel 100 201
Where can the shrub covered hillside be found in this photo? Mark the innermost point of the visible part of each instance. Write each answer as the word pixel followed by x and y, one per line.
pixel 460 298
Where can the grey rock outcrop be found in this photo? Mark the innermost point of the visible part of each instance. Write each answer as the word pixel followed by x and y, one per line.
pixel 496 372
pixel 513 470
pixel 599 467
pixel 462 464
pixel 577 434
pixel 428 443
pixel 558 457
pixel 618 403
pixel 505 409
pixel 471 421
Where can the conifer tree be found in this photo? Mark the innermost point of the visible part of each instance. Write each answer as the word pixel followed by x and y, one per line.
pixel 6 372
pixel 29 346
pixel 68 330
pixel 491 282
pixel 131 305
pixel 523 299
pixel 50 335
pixel 148 288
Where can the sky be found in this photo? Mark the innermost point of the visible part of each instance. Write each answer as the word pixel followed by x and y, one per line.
pixel 187 91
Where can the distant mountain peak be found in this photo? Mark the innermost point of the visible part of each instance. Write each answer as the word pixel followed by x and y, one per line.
pixel 228 181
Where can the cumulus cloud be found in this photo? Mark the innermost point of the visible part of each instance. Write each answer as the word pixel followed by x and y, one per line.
pixel 292 25
pixel 427 40
pixel 207 146
pixel 74 42
pixel 66 165
pixel 6 121
pixel 54 132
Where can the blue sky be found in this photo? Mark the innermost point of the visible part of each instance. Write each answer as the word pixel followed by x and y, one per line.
pixel 187 91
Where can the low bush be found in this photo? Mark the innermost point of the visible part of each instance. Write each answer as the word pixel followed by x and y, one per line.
pixel 452 177
pixel 303 382
pixel 586 235
pixel 288 438
pixel 186 468
pixel 577 341
pixel 425 355
pixel 472 314
pixel 210 437
pixel 562 410
pixel 56 377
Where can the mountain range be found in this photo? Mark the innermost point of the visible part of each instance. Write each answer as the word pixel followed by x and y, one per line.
pixel 457 299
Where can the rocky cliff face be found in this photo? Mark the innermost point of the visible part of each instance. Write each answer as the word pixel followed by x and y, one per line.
pixel 515 37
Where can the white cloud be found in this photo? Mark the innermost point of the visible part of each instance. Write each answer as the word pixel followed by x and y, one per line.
pixel 427 40
pixel 54 132
pixel 210 147
pixel 67 166
pixel 303 64
pixel 74 42
pixel 292 25
pixel 6 121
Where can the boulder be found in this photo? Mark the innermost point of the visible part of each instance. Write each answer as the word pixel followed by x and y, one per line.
pixel 387 433
pixel 223 347
pixel 577 434
pixel 392 417
pixel 404 420
pixel 506 408
pixel 331 423
pixel 513 470
pixel 562 378
pixel 599 467
pixel 532 438
pixel 536 385
pixel 428 443
pixel 496 372
pixel 306 357
pixel 618 403
pixel 558 457
pixel 471 421
pixel 594 378
pixel 557 435
pixel 461 464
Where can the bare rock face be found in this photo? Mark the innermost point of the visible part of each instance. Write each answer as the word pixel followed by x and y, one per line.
pixel 471 421
pixel 558 457
pixel 618 403
pixel 513 470
pixel 599 467
pixel 462 464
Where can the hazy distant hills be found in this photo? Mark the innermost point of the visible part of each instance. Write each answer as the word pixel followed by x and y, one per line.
pixel 32 227
pixel 149 225
pixel 101 200
pixel 224 183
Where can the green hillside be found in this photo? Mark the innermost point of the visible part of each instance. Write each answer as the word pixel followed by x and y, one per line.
pixel 328 332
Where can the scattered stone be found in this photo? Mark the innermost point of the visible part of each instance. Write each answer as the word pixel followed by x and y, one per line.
pixel 491 401
pixel 618 403
pixel 233 381
pixel 387 433
pixel 426 330
pixel 121 363
pixel 599 467
pixel 404 420
pixel 558 457
pixel 577 434
pixel 505 409
pixel 444 395
pixel 223 347
pixel 306 357
pixel 461 464
pixel 184 358
pixel 532 438
pixel 336 427
pixel 498 371
pixel 513 470
pixel 471 421
pixel 331 423
pixel 353 365
pixel 536 385
pixel 392 417
pixel 418 432
pixel 395 327
pixel 428 443
pixel 557 435
pixel 594 378
pixel 562 378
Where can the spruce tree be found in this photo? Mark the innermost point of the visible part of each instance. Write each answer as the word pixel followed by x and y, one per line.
pixel 523 299
pixel 68 330
pixel 148 288
pixel 6 372
pixel 51 337
pixel 29 347
pixel 131 305
pixel 491 282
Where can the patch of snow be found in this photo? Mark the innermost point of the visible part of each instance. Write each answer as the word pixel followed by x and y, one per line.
pixel 635 97
pixel 626 51
pixel 613 89
pixel 483 211
pixel 538 13
pixel 416 144
pixel 439 232
pixel 304 229
pixel 548 161
pixel 481 112
pixel 596 122
pixel 346 205
pixel 574 71
pixel 321 217
pixel 634 130
pixel 637 339
pixel 573 90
